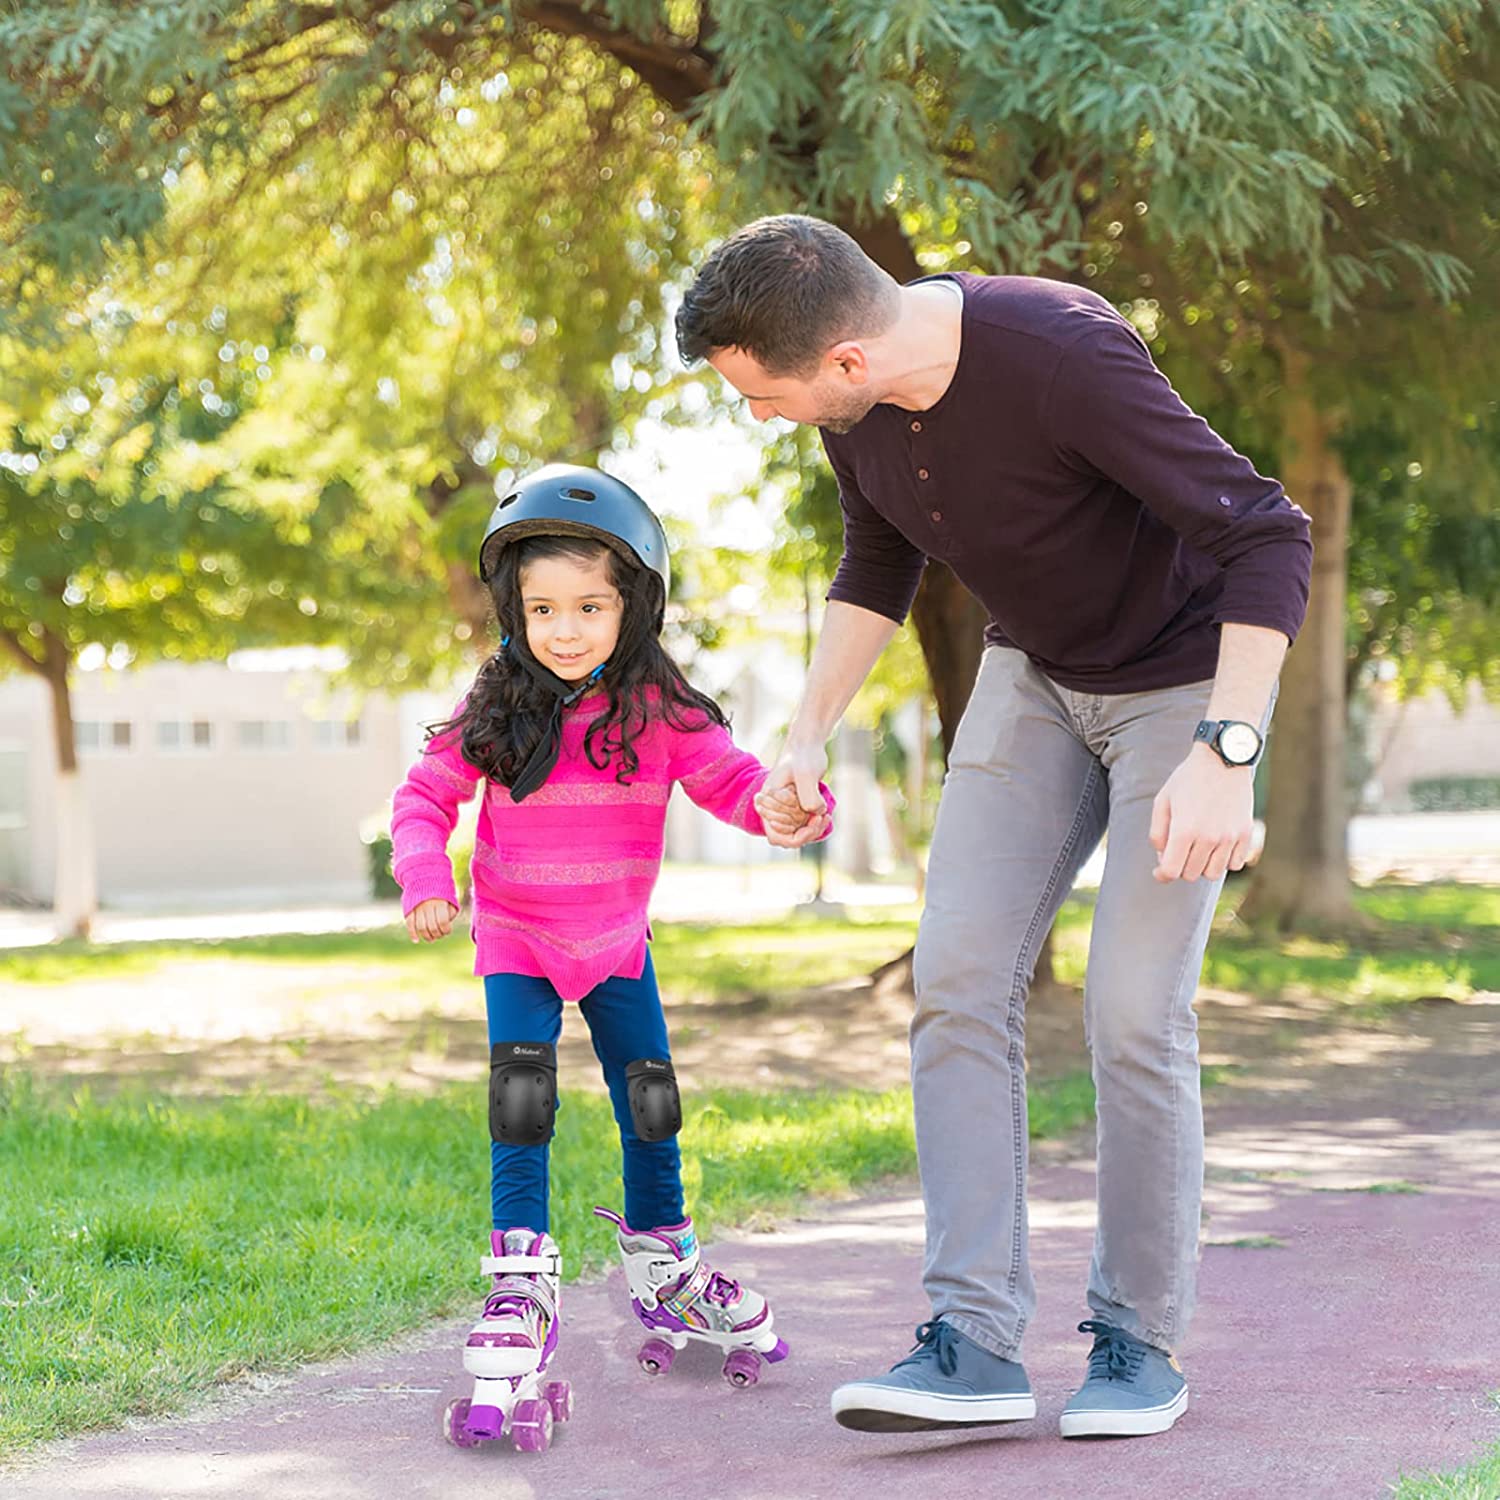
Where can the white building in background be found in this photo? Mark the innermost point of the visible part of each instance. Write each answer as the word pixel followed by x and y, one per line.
pixel 254 780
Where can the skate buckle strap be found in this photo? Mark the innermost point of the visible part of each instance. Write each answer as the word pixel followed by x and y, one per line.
pixel 549 1263
pixel 524 1288
pixel 688 1294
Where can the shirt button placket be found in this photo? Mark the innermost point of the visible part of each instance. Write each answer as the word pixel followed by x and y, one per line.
pixel 924 474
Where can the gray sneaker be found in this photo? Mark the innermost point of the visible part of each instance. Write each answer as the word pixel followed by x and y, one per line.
pixel 1132 1388
pixel 946 1381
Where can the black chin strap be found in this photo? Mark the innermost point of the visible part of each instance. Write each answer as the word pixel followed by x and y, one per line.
pixel 539 766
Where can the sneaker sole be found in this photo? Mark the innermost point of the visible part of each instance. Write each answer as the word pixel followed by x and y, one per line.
pixel 1112 1423
pixel 876 1408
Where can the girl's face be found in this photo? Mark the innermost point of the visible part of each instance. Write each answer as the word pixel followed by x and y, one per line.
pixel 573 613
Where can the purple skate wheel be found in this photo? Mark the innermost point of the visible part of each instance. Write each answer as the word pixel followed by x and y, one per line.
pixel 454 1420
pixel 484 1424
pixel 531 1426
pixel 655 1356
pixel 558 1394
pixel 742 1368
pixel 779 1353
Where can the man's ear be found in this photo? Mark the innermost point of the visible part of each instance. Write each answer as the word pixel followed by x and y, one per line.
pixel 849 360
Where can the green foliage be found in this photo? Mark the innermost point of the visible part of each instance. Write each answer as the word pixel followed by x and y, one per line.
pixel 378 850
pixel 281 424
pixel 1424 558
pixel 1456 793
pixel 1013 120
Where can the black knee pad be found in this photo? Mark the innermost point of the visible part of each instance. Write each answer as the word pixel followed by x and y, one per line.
pixel 655 1106
pixel 523 1092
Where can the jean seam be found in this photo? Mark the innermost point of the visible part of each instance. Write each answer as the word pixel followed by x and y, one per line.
pixel 1165 1332
pixel 1017 990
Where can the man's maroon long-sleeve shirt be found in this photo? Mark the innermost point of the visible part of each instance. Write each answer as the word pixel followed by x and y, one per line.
pixel 1107 529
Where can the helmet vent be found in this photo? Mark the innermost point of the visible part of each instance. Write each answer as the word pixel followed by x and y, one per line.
pixel 510 499
pixel 579 494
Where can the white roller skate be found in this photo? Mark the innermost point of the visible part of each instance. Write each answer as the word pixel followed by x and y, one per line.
pixel 677 1297
pixel 510 1347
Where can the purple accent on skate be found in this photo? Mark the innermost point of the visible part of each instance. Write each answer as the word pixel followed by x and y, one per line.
pixel 453 1424
pixel 531 1426
pixel 499 1341
pixel 779 1353
pixel 754 1322
pixel 657 1317
pixel 655 1356
pixel 558 1394
pixel 742 1368
pixel 483 1423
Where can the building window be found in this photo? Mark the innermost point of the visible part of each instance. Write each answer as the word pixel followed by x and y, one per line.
pixel 103 736
pixel 336 734
pixel 184 736
pixel 263 734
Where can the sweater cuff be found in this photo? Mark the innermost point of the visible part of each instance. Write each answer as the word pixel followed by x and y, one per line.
pixel 428 883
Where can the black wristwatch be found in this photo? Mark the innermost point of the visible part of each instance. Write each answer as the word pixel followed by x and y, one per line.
pixel 1235 742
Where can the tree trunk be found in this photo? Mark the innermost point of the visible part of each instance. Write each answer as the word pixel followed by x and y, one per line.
pixel 75 896
pixel 1302 879
pixel 950 626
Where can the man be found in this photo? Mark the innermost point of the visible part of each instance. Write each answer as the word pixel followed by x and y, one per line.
pixel 1143 584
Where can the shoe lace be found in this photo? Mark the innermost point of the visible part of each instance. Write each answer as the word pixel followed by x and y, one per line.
pixel 722 1289
pixel 1115 1355
pixel 937 1338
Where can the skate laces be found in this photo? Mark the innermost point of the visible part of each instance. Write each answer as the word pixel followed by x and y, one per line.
pixel 1115 1355
pixel 937 1338
pixel 721 1289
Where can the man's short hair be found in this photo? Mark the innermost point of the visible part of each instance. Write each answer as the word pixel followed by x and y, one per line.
pixel 785 290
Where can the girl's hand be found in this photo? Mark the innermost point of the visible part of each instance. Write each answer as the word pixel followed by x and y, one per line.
pixel 784 816
pixel 427 921
pixel 780 809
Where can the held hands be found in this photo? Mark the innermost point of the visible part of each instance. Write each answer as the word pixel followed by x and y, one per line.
pixel 790 804
pixel 1202 819
pixel 427 921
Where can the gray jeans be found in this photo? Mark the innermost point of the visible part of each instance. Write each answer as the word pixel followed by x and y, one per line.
pixel 1037 775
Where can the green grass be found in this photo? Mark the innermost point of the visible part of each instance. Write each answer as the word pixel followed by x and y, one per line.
pixel 1432 940
pixel 150 1249
pixel 695 958
pixel 1479 1480
pixel 1399 1187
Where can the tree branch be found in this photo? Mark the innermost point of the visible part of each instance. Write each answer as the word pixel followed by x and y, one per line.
pixel 676 72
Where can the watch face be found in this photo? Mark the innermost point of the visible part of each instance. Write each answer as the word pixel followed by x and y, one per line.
pixel 1239 743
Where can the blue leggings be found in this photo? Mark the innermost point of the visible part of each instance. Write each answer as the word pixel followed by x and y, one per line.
pixel 626 1022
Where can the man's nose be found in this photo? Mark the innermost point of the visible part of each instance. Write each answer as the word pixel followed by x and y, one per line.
pixel 762 411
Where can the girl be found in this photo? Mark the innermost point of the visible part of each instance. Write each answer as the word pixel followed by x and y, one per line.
pixel 575 731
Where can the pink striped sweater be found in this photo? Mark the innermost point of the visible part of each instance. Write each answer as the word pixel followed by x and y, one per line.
pixel 562 881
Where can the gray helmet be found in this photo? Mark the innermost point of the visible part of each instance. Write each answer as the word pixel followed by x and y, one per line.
pixel 568 500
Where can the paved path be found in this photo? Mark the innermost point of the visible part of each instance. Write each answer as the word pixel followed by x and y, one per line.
pixel 1361 1347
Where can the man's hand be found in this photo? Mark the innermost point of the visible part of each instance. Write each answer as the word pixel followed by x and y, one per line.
pixel 1202 819
pixel 790 804
pixel 427 921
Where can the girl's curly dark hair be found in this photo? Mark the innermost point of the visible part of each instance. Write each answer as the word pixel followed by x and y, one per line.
pixel 507 711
